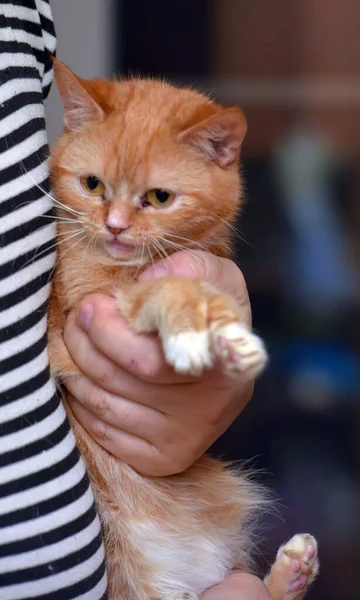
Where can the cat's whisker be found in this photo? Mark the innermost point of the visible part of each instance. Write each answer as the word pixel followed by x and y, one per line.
pixel 235 231
pixel 38 255
pixel 55 200
pixel 57 243
pixel 150 254
pixel 67 233
pixel 191 242
pixel 93 245
pixel 163 248
pixel 142 253
pixel 159 249
pixel 58 218
pixel 140 261
pixel 85 251
pixel 174 245
pixel 179 247
pixel 71 248
pixel 65 207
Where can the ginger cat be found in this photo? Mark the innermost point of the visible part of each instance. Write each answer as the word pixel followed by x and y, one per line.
pixel 144 169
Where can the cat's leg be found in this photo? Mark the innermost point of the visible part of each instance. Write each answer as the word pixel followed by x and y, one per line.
pixel 176 309
pixel 197 324
pixel 294 570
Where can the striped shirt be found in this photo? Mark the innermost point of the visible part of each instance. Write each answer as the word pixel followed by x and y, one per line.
pixel 50 543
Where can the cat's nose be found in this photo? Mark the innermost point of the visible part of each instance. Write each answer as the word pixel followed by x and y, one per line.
pixel 117 230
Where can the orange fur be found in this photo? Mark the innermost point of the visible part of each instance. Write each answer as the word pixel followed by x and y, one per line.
pixel 187 532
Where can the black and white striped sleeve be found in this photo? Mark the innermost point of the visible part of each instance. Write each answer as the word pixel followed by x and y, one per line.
pixel 50 543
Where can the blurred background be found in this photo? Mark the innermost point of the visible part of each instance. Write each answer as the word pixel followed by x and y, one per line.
pixel 294 67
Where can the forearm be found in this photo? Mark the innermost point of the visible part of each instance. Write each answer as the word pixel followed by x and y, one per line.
pixel 45 496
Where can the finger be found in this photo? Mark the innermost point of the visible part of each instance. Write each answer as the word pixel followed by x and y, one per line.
pixel 117 411
pixel 136 405
pixel 135 451
pixel 196 264
pixel 109 344
pixel 158 456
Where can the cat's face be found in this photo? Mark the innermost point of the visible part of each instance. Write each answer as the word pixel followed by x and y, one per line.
pixel 146 168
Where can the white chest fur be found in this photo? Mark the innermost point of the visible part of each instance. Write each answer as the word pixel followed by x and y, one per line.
pixel 189 561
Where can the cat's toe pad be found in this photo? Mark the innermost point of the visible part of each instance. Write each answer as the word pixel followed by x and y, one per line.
pixel 300 556
pixel 188 352
pixel 239 350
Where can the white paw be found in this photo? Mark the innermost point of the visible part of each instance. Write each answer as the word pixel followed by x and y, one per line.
pixel 301 555
pixel 188 352
pixel 239 350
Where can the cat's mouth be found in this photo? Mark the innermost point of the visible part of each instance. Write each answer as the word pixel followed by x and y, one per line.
pixel 117 248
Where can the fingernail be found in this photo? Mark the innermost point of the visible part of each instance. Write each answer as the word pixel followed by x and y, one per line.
pixel 154 273
pixel 84 315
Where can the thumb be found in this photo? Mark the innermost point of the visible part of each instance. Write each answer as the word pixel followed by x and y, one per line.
pixel 196 264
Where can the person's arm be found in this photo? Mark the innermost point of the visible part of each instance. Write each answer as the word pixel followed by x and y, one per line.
pixel 50 544
pixel 130 401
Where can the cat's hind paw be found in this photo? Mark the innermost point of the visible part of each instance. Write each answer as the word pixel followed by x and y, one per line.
pixel 295 568
pixel 239 350
pixel 301 554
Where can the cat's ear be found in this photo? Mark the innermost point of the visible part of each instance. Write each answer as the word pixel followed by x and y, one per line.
pixel 79 106
pixel 220 136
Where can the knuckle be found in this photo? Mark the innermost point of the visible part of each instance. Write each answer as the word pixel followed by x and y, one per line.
pixel 179 461
pixel 97 402
pixel 100 430
pixel 104 374
pixel 151 367
pixel 172 454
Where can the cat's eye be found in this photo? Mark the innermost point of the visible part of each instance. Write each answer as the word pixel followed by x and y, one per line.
pixel 159 197
pixel 92 185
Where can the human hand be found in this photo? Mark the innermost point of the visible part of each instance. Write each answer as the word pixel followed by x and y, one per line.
pixel 130 401
pixel 238 586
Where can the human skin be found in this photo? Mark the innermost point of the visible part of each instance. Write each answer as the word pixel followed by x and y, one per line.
pixel 238 586
pixel 130 401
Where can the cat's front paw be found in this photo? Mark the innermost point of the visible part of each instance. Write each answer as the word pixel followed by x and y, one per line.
pixel 234 346
pixel 238 349
pixel 198 326
pixel 188 351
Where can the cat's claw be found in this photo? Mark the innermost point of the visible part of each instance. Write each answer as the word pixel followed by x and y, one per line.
pixel 239 350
